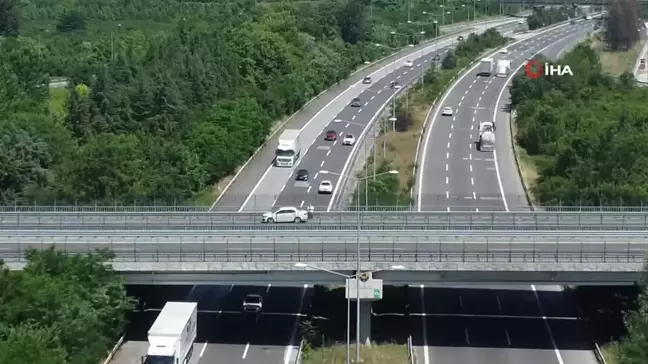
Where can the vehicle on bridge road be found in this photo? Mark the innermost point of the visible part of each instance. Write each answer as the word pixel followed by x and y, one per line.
pixel 285 214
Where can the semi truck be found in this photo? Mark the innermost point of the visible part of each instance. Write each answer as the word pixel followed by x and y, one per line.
pixel 485 67
pixel 503 68
pixel 172 336
pixel 486 142
pixel 289 148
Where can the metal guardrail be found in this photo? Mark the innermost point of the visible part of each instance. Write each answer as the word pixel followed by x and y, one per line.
pixel 411 353
pixel 298 359
pixel 519 221
pixel 451 248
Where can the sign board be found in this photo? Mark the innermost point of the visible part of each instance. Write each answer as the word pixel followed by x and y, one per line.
pixel 372 289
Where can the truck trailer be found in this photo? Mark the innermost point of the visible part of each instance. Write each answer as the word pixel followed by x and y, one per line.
pixel 485 67
pixel 289 148
pixel 172 335
pixel 503 68
pixel 486 142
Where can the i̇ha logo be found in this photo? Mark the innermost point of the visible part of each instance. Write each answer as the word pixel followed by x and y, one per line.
pixel 535 69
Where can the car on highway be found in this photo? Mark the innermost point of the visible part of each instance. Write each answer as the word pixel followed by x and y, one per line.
pixel 331 136
pixel 394 85
pixel 252 303
pixel 325 187
pixel 302 175
pixel 504 51
pixel 436 57
pixel 285 214
pixel 348 140
pixel 520 21
pixel 366 80
pixel 356 102
pixel 460 38
pixel 409 63
pixel 447 111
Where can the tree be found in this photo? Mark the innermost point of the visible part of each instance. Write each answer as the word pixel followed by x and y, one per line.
pixel 28 343
pixel 622 24
pixel 9 18
pixel 449 61
pixel 71 21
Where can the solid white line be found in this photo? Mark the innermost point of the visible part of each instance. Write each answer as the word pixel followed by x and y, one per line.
pixel 426 350
pixel 546 323
pixel 290 348
pixel 247 347
pixel 202 351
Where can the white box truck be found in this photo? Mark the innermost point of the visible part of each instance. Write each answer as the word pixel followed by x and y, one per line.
pixel 289 148
pixel 485 67
pixel 486 142
pixel 172 335
pixel 503 68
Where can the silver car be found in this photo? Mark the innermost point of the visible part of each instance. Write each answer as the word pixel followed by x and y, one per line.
pixel 285 214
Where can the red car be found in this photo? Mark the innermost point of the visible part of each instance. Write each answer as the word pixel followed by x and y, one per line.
pixel 331 135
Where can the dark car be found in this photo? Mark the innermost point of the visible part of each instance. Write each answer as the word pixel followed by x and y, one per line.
pixel 366 80
pixel 302 175
pixel 460 38
pixel 436 57
pixel 356 102
pixel 331 136
pixel 394 84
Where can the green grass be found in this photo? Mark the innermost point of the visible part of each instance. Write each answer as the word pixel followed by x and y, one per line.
pixel 376 354
pixel 610 353
pixel 58 101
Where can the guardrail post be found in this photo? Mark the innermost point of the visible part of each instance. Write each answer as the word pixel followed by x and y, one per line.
pixel 204 254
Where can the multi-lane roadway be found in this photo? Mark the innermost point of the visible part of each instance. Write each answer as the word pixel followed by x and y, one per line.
pixel 278 187
pixel 454 176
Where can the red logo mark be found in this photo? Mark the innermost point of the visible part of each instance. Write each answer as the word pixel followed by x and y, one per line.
pixel 539 69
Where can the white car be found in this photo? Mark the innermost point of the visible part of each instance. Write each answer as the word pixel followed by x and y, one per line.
pixel 285 214
pixel 325 187
pixel 409 63
pixel 447 111
pixel 520 21
pixel 348 140
pixel 252 303
pixel 504 51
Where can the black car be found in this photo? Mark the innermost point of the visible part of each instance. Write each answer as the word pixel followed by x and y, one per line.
pixel 366 80
pixel 394 84
pixel 302 175
pixel 356 102
pixel 460 38
pixel 436 57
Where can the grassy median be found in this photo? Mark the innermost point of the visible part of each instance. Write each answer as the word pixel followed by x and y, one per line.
pixel 375 354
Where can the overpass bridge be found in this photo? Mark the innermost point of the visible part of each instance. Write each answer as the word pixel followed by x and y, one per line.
pixel 263 257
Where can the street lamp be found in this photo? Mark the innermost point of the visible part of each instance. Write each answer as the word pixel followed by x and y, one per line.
pixel 407 37
pixel 348 324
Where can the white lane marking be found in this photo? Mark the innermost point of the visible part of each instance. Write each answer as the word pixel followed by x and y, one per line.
pixel 398 77
pixel 447 180
pixel 373 97
pixel 470 170
pixel 474 195
pixel 301 204
pixel 379 91
pixel 546 323
pixel 447 155
pixel 360 110
pixel 202 351
pixel 283 187
pixel 321 164
pixel 316 174
pixel 335 142
pixel 426 350
pixel 472 182
pixel 448 144
pixel 289 348
pixel 366 103
pixel 247 347
pixel 352 118
pixel 451 126
pixel 309 189
pixel 446 167
pixel 329 152
pixel 450 136
pixel 448 195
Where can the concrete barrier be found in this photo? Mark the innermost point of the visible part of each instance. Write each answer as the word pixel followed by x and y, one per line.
pixel 114 349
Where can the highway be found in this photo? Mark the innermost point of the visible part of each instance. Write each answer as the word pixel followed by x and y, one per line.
pixel 278 187
pixel 453 175
pixel 584 221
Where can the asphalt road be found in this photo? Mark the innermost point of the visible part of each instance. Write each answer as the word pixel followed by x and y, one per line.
pixel 456 177
pixel 635 221
pixel 226 335
pixel 277 185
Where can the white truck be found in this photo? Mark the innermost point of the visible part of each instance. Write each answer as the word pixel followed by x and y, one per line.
pixel 486 142
pixel 172 335
pixel 485 67
pixel 289 148
pixel 503 68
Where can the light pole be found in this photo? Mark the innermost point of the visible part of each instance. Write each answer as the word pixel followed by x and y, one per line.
pixel 358 255
pixel 407 37
pixel 348 323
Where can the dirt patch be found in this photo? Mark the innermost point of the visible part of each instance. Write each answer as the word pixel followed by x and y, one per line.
pixel 615 63
pixel 376 354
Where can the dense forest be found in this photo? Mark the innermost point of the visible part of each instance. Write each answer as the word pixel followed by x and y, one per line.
pixel 60 309
pixel 587 133
pixel 166 97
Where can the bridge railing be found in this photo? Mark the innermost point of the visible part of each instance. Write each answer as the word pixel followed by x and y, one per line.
pixel 326 221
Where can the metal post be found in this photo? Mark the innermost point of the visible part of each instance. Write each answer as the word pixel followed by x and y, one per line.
pixel 357 278
pixel 348 356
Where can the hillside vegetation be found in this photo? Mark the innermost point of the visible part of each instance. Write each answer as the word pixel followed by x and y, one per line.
pixel 168 97
pixel 587 132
